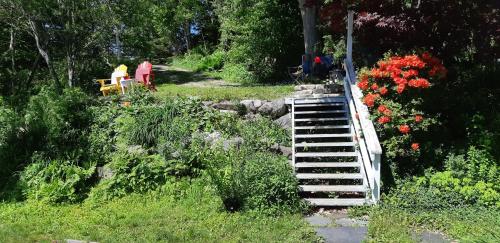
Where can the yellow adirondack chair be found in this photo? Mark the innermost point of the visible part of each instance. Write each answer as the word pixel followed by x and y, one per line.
pixel 114 83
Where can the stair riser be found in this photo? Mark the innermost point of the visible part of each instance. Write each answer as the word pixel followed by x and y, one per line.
pixel 336 202
pixel 313 188
pixel 326 161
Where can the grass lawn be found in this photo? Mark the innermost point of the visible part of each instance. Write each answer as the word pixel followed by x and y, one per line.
pixel 463 224
pixel 226 92
pixel 175 80
pixel 147 218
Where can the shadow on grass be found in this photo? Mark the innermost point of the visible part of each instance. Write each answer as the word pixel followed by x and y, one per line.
pixel 168 75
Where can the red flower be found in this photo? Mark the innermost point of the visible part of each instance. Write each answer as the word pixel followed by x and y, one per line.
pixel 383 91
pixel 364 78
pixel 401 88
pixel 419 118
pixel 369 99
pixel 399 81
pixel 413 83
pixel 384 119
pixel 410 73
pixel 374 87
pixel 381 108
pixel 387 112
pixel 377 73
pixel 404 129
pixel 423 83
pixel 363 85
pixel 415 146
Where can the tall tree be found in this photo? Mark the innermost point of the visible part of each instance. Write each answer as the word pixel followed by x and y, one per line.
pixel 308 11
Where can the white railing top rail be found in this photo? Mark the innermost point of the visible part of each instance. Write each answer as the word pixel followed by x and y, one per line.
pixel 369 133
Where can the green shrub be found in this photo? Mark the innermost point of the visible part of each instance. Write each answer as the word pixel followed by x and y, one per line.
pixel 104 131
pixel 201 61
pixel 262 133
pixel 56 181
pixel 254 181
pixel 237 73
pixel 150 124
pixel 57 125
pixel 261 37
pixel 10 147
pixel 472 179
pixel 226 171
pixel 271 184
pixel 336 49
pixel 133 171
pixel 170 121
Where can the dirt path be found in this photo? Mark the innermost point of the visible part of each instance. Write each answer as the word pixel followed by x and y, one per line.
pixel 181 76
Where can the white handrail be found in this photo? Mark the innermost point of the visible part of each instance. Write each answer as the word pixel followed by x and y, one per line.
pixel 370 148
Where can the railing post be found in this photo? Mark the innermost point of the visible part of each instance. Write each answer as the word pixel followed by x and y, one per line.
pixel 292 112
pixel 376 178
pixel 350 20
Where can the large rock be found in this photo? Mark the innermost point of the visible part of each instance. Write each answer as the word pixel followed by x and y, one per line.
pixel 225 105
pixel 305 87
pixel 232 142
pixel 248 104
pixel 207 103
pixel 104 172
pixel 211 138
pixel 229 111
pixel 303 93
pixel 252 116
pixel 274 109
pixel 257 103
pixel 286 151
pixel 251 105
pixel 285 121
pixel 320 91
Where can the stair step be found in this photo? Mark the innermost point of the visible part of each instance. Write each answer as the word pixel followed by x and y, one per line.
pixel 321 104
pixel 337 201
pixel 327 164
pixel 341 135
pixel 322 119
pixel 339 144
pixel 333 98
pixel 321 127
pixel 328 188
pixel 319 112
pixel 329 176
pixel 326 154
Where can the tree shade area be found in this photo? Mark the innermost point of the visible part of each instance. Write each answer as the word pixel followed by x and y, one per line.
pixel 428 73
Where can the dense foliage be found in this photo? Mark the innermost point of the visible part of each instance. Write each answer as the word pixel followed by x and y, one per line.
pixel 263 37
pixel 470 179
pixel 142 147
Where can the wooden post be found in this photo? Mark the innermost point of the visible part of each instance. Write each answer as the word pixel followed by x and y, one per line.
pixel 350 19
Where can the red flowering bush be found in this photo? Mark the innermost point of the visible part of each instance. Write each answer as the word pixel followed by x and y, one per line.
pixel 393 91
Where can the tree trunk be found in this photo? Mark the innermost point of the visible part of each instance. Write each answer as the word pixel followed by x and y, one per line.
pixel 40 46
pixel 70 59
pixel 12 50
pixel 32 72
pixel 12 58
pixel 70 46
pixel 118 44
pixel 308 13
pixel 187 33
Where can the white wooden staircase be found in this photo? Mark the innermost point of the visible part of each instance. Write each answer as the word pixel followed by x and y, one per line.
pixel 335 150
